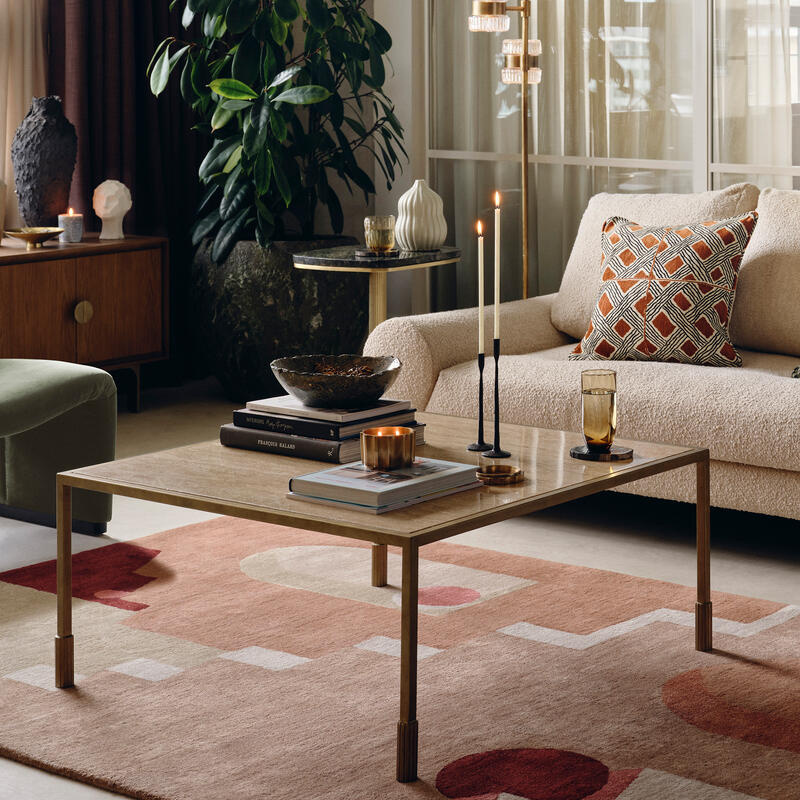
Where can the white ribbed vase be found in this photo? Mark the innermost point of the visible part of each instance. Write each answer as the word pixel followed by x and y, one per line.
pixel 420 219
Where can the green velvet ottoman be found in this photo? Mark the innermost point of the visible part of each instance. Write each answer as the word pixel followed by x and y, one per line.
pixel 54 416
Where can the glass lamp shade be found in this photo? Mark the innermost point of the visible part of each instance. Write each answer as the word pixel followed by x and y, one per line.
pixel 491 23
pixel 511 75
pixel 513 47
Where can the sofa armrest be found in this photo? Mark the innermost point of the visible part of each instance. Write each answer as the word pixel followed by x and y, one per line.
pixel 429 343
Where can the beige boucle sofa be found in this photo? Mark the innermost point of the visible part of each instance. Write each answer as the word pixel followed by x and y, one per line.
pixel 748 417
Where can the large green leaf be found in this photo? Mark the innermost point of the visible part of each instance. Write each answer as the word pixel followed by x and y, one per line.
pixel 240 15
pixel 200 76
pixel 157 53
pixel 303 95
pixel 204 226
pixel 228 236
pixel 376 68
pixel 236 105
pixel 187 91
pixel 232 89
pixel 235 200
pixel 278 125
pixel 233 160
pixel 198 6
pixel 262 170
pixel 217 156
pixel 287 10
pixel 247 61
pixel 160 74
pixel 282 182
pixel 382 40
pixel 318 14
pixel 284 76
pixel 233 179
pixel 279 30
pixel 222 116
pixel 255 137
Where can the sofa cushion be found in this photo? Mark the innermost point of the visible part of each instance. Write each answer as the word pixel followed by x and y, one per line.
pixel 746 416
pixel 768 298
pixel 580 286
pixel 667 293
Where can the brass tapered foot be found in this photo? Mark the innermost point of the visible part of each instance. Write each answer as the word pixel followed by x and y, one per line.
pixel 65 661
pixel 703 627
pixel 407 740
pixel 380 565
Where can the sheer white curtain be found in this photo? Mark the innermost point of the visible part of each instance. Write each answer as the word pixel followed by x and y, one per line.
pixel 23 75
pixel 753 83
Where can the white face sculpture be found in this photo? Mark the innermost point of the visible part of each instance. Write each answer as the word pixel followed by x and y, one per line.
pixel 111 199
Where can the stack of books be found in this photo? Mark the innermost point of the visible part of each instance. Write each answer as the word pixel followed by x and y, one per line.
pixel 362 489
pixel 284 426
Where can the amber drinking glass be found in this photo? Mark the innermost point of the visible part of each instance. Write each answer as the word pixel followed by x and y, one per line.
pixel 379 233
pixel 599 396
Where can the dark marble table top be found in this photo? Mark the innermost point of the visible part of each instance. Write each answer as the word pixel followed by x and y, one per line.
pixel 346 257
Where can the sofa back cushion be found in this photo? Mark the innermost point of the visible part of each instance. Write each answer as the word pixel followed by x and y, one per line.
pixel 580 286
pixel 767 312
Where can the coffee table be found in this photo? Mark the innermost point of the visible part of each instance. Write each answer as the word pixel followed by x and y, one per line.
pixel 241 483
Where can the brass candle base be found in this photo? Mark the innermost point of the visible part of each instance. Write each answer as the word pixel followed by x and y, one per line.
pixel 617 453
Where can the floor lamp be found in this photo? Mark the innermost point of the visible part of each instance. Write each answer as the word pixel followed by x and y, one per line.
pixel 521 67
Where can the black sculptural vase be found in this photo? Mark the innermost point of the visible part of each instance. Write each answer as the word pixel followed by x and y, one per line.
pixel 43 154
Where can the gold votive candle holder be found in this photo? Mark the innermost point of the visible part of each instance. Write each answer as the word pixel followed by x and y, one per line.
pixel 388 448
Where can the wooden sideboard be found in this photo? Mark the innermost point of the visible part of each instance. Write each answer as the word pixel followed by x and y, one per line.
pixel 104 303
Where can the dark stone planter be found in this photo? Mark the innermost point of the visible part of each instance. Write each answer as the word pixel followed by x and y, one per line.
pixel 255 307
pixel 43 154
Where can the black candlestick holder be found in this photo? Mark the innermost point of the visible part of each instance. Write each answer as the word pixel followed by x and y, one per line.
pixel 480 446
pixel 497 451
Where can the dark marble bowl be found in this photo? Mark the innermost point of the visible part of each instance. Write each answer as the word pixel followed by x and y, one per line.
pixel 306 379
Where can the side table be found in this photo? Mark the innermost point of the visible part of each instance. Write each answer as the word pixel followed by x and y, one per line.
pixel 344 259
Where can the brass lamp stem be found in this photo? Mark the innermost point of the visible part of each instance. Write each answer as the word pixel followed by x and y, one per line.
pixel 525 13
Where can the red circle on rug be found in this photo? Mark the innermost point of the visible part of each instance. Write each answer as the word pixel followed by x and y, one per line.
pixel 531 774
pixel 447 595
pixel 755 701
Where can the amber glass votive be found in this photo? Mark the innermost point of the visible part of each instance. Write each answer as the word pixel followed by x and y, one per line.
pixel 388 448
pixel 599 396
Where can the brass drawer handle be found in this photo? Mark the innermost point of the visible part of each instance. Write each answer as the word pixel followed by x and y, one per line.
pixel 83 312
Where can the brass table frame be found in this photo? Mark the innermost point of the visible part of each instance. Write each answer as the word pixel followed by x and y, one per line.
pixel 378 282
pixel 240 483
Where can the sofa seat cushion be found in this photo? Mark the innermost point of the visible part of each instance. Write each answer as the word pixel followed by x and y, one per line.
pixel 34 391
pixel 580 286
pixel 748 415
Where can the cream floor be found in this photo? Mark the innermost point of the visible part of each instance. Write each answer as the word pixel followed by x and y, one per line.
pixel 752 555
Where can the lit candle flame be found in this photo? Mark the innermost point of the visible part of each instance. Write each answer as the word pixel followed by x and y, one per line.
pixel 497 199
pixel 480 228
pixel 70 213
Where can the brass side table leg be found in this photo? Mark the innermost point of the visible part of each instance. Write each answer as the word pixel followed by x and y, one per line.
pixel 65 670
pixel 380 565
pixel 378 283
pixel 408 727
pixel 703 620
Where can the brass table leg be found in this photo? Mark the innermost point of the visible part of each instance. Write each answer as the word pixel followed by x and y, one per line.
pixel 380 565
pixel 65 669
pixel 408 727
pixel 703 624
pixel 378 282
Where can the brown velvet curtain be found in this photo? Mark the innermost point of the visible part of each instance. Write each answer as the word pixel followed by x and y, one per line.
pixel 99 51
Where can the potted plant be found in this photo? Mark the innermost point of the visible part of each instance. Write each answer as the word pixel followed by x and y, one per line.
pixel 290 97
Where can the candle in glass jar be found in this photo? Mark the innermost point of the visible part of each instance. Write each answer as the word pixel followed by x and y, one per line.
pixel 480 288
pixel 497 265
pixel 72 225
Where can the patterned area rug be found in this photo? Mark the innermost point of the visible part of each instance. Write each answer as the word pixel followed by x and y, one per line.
pixel 233 659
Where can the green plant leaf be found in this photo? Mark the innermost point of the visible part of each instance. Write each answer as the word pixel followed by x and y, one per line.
pixel 284 76
pixel 218 7
pixel 221 117
pixel 287 10
pixel 262 170
pixel 232 89
pixel 236 105
pixel 282 183
pixel 208 200
pixel 278 125
pixel 228 236
pixel 157 53
pixel 279 30
pixel 160 74
pixel 381 39
pixel 264 212
pixel 235 200
pixel 255 137
pixel 232 180
pixel 303 95
pixel 240 15
pixel 198 6
pixel 335 211
pixel 246 65
pixel 187 91
pixel 217 157
pixel 204 226
pixel 318 14
pixel 356 126
pixel 234 158
pixel 200 76
pixel 376 68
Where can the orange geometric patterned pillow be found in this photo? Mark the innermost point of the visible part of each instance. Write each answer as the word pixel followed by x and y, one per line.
pixel 668 292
